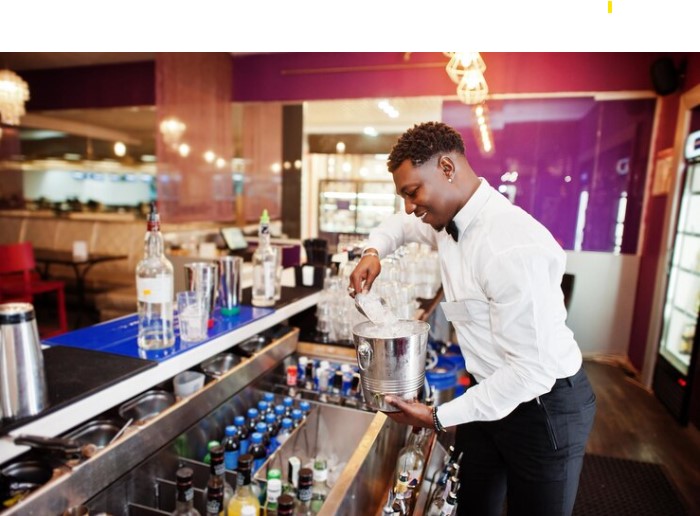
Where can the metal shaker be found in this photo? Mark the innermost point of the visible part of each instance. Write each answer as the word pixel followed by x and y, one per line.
pixel 230 284
pixel 23 390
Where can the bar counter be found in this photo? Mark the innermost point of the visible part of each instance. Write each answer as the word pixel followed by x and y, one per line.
pixel 59 421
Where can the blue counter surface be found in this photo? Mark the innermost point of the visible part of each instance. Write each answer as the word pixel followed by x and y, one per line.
pixel 119 336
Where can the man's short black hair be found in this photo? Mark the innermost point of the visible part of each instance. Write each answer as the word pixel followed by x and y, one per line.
pixel 422 142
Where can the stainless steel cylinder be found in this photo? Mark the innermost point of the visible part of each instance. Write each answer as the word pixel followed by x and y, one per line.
pixel 203 278
pixel 230 284
pixel 391 364
pixel 22 379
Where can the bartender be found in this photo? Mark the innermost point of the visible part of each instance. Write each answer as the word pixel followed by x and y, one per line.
pixel 523 427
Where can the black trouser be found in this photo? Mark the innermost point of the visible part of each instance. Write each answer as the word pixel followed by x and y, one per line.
pixel 534 455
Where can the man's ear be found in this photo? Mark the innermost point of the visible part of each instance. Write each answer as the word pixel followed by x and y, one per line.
pixel 447 166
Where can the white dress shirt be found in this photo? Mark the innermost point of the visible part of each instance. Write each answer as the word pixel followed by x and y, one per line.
pixel 502 285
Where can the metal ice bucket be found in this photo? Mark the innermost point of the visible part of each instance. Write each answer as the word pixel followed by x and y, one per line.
pixel 391 365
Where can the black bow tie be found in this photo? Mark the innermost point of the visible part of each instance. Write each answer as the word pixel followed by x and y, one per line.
pixel 452 230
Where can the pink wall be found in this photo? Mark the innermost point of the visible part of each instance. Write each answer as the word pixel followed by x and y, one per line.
pixel 304 76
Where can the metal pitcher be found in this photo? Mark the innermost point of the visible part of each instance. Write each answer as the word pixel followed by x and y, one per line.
pixel 391 365
pixel 22 380
pixel 230 284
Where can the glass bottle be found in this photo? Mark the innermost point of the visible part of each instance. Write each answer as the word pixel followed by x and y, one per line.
pixel 264 266
pixel 319 490
pixel 284 432
pixel 257 451
pixel 217 470
pixel 215 500
pixel 274 490
pixel 285 506
pixel 261 428
pixel 244 495
pixel 303 502
pixel 445 506
pixel 401 503
pixel 232 448
pixel 185 494
pixel 243 434
pixel 154 290
pixel 411 458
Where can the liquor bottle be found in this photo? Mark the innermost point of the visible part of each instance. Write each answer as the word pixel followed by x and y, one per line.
pixel 444 483
pixel 319 490
pixel 216 476
pixel 154 290
pixel 284 432
pixel 261 428
pixel 274 491
pixel 264 266
pixel 279 412
pixel 232 448
pixel 411 458
pixel 305 407
pixel 401 503
pixel 445 506
pixel 297 417
pixel 244 495
pixel 285 506
pixel 215 500
pixel 185 494
pixel 303 503
pixel 293 468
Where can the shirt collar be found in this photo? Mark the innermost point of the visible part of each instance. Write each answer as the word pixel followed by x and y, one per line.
pixel 471 209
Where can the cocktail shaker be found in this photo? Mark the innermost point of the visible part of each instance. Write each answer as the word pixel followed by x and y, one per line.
pixel 230 284
pixel 23 390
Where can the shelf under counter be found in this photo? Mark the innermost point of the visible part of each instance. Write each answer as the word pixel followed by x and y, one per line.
pixel 63 419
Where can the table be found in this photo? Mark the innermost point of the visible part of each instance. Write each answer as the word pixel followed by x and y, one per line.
pixel 81 267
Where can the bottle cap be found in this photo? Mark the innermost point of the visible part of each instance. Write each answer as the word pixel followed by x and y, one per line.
pixel 184 476
pixel 296 414
pixel 270 418
pixel 285 501
pixel 212 444
pixel 256 438
pixel 231 430
pixel 262 406
pixel 264 218
pixel 261 427
pixel 252 413
pixel 239 420
pixel 303 361
pixel 320 475
pixel 217 454
pixel 305 406
pixel 279 410
pixel 306 476
pixel 269 397
pixel 286 423
pixel 274 473
pixel 288 402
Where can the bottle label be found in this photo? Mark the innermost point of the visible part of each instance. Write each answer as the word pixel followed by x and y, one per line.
pixel 305 494
pixel 155 290
pixel 219 469
pixel 215 506
pixel 231 460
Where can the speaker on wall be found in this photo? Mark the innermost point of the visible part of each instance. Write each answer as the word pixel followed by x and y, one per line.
pixel 665 77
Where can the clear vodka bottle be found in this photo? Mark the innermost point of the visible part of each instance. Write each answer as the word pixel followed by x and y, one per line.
pixel 154 286
pixel 264 266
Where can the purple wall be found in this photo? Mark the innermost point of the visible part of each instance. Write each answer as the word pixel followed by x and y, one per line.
pixel 552 145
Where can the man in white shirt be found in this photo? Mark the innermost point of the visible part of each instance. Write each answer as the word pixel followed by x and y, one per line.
pixel 523 428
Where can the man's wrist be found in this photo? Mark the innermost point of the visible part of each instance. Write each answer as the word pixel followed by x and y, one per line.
pixel 370 252
pixel 436 422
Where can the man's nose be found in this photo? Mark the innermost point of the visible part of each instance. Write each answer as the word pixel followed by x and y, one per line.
pixel 410 207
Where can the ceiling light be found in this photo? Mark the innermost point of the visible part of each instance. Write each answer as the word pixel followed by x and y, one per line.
pixel 209 156
pixel 120 149
pixel 172 129
pixel 14 92
pixel 220 162
pixel 462 62
pixel 370 131
pixel 184 150
pixel 340 147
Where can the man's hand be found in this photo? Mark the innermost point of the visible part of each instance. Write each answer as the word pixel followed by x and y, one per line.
pixel 414 414
pixel 364 274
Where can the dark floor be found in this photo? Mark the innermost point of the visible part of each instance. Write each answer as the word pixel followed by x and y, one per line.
pixel 632 423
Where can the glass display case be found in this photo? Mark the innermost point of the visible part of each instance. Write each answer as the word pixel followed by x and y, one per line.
pixel 677 348
pixel 354 206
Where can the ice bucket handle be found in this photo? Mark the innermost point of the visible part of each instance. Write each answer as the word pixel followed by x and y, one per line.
pixel 364 355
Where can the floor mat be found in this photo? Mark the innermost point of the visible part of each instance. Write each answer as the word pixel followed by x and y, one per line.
pixel 625 487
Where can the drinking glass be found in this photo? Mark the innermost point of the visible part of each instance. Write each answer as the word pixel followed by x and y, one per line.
pixel 193 315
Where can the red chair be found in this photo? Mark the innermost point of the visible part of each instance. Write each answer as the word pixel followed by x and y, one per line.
pixel 20 282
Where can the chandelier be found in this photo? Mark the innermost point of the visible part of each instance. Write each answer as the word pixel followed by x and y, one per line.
pixel 172 129
pixel 14 92
pixel 466 69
